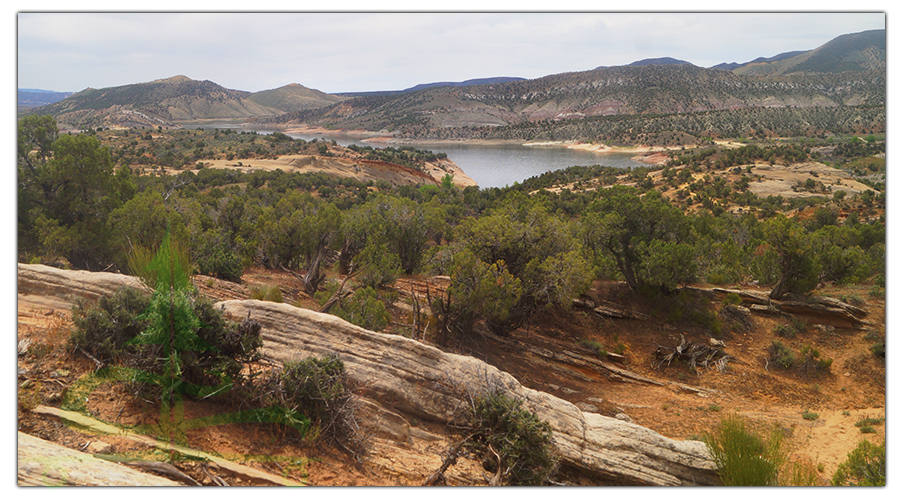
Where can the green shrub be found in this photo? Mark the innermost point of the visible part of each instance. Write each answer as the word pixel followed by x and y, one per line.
pixel 808 415
pixel 743 457
pixel 732 298
pixel 364 309
pixel 523 441
pixel 175 338
pixel 869 421
pixel 865 466
pixel 318 388
pixel 215 258
pixel 812 363
pixel 594 346
pixel 781 355
pixel 785 331
pixel 269 293
pixel 104 329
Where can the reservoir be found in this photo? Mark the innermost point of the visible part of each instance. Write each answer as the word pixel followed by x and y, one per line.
pixel 503 164
pixel 495 165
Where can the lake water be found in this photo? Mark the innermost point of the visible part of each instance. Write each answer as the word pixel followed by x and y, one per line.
pixel 499 165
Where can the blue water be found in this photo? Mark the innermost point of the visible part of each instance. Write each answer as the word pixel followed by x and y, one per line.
pixel 502 165
pixel 499 165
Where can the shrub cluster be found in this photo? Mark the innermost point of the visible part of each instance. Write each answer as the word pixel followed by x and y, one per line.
pixel 523 442
pixel 318 388
pixel 865 466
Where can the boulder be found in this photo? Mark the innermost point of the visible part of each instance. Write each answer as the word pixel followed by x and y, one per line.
pixel 429 384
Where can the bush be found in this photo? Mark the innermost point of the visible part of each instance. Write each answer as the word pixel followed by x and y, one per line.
pixel 743 457
pixel 363 308
pixel 594 346
pixel 523 441
pixel 269 293
pixel 318 388
pixel 218 260
pixel 812 363
pixel 781 355
pixel 175 338
pixel 865 466
pixel 785 331
pixel 105 328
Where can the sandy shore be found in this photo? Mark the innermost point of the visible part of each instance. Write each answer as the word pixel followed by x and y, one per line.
pixel 653 155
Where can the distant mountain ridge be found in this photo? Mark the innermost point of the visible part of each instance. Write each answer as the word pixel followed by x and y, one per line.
pixel 658 61
pixel 422 86
pixel 170 101
pixel 847 71
pixel 864 51
pixel 32 98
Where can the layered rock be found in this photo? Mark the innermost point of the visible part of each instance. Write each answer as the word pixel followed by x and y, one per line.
pixel 42 463
pixel 427 383
pixel 402 378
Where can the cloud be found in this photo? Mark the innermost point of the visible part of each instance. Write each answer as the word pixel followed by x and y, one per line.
pixel 340 52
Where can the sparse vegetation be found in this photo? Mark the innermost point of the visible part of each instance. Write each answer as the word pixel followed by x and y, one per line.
pixel 865 466
pixel 743 457
pixel 501 428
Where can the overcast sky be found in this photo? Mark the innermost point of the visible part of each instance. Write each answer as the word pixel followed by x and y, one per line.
pixel 346 52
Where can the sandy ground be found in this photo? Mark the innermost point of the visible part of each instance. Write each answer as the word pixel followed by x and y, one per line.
pixel 780 180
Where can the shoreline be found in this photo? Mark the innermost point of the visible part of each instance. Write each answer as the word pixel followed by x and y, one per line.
pixel 653 155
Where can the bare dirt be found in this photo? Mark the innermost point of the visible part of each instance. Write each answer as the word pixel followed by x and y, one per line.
pixel 853 389
pixel 349 164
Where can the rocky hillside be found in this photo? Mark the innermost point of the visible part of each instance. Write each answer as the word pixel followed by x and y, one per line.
pixel 846 72
pixel 855 52
pixel 294 97
pixel 171 101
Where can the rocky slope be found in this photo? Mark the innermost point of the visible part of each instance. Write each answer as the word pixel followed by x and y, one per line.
pixel 405 379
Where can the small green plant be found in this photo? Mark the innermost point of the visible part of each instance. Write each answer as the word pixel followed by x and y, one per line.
pixel 781 355
pixel 866 429
pixel 732 298
pixel 269 293
pixel 865 466
pixel 868 422
pixel 318 388
pixel 785 331
pixel 715 407
pixel 808 415
pixel 743 457
pixel 594 346
pixel 812 363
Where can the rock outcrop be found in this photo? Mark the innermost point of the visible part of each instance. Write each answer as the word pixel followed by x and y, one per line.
pixel 402 379
pixel 427 383
pixel 42 463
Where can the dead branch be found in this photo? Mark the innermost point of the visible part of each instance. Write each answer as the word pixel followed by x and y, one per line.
pixel 695 354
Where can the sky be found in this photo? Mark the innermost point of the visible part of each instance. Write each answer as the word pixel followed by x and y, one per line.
pixel 368 51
